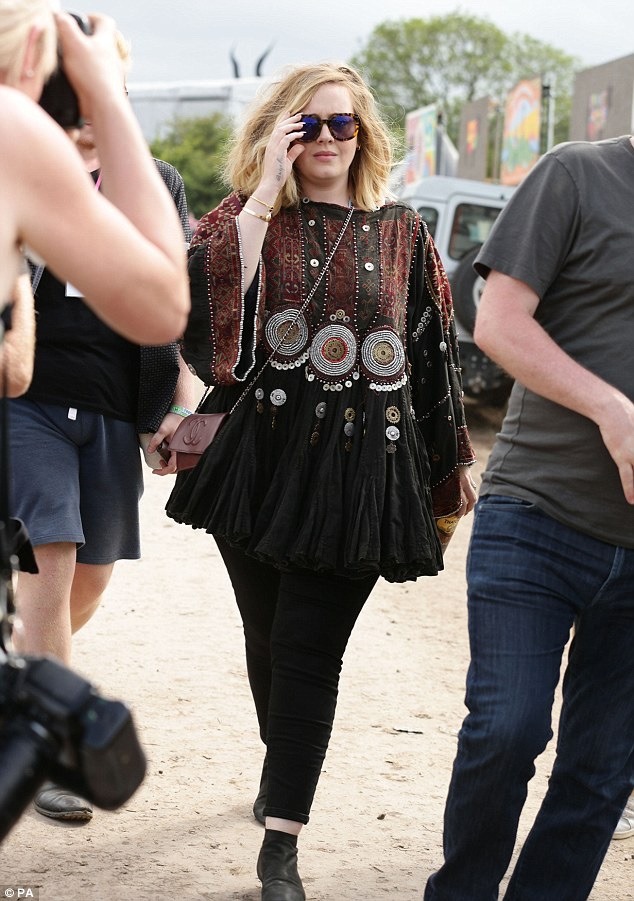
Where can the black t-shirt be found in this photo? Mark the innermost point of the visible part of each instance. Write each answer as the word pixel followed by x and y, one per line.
pixel 80 362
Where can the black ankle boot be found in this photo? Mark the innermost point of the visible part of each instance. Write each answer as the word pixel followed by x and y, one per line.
pixel 277 868
pixel 260 802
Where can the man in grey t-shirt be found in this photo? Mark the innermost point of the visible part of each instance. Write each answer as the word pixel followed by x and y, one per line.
pixel 553 539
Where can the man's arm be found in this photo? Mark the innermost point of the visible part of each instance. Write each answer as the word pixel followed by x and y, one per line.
pixel 507 331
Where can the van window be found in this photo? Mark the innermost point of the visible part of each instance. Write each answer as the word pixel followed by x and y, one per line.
pixel 430 216
pixel 471 226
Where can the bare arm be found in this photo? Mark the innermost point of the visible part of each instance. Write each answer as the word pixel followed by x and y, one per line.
pixel 18 346
pixel 278 164
pixel 133 185
pixel 507 331
pixel 189 389
pixel 125 255
pixel 187 394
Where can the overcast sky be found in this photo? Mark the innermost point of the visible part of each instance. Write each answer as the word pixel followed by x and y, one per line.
pixel 173 39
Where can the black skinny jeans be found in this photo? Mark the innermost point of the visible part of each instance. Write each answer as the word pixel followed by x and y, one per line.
pixel 296 628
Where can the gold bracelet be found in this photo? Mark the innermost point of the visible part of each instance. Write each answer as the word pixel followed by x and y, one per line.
pixel 257 200
pixel 266 218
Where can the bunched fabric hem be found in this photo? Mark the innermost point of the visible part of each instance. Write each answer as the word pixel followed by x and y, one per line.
pixel 349 508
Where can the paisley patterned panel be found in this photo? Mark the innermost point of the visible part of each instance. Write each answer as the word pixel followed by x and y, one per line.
pixel 398 241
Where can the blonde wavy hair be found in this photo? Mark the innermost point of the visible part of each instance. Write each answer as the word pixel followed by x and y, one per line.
pixel 17 17
pixel 124 49
pixel 371 167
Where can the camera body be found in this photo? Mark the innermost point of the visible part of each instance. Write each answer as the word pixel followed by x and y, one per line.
pixel 58 97
pixel 53 725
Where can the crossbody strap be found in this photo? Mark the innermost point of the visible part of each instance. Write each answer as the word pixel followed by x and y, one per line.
pixel 295 319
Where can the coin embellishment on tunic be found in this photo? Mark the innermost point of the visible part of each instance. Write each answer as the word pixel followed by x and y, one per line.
pixel 290 329
pixel 278 397
pixel 334 350
pixel 393 414
pixel 382 353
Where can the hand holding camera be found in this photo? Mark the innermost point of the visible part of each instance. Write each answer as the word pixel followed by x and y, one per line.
pixel 89 71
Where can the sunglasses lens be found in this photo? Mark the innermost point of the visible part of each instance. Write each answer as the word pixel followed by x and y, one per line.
pixel 312 128
pixel 343 128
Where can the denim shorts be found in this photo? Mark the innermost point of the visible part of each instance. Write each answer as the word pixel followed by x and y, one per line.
pixel 76 477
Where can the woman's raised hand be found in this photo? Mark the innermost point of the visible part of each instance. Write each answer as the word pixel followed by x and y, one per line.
pixel 280 154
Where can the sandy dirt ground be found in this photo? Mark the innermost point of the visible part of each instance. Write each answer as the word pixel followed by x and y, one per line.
pixel 168 641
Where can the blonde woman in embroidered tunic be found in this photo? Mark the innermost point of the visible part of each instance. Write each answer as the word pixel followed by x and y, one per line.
pixel 349 443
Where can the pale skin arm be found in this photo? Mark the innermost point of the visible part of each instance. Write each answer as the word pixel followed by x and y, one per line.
pixel 125 256
pixel 18 345
pixel 187 394
pixel 468 491
pixel 278 165
pixel 507 331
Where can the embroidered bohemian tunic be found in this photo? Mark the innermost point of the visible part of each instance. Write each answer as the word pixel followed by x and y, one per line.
pixel 347 445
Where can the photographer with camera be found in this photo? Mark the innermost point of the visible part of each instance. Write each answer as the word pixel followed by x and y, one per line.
pixel 92 393
pixel 125 253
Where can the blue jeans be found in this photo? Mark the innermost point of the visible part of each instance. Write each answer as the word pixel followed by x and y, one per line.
pixel 530 580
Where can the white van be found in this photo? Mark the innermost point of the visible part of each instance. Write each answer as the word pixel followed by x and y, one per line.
pixel 459 213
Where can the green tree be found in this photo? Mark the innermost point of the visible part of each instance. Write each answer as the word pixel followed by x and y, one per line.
pixel 453 59
pixel 197 147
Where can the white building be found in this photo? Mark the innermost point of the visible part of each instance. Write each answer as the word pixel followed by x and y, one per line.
pixel 158 104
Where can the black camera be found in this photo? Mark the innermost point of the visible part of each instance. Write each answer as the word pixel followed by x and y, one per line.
pixel 53 725
pixel 58 97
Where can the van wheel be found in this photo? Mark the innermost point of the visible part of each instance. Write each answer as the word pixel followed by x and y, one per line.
pixel 466 289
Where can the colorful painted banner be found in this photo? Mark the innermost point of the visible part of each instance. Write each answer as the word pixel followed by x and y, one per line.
pixel 521 136
pixel 474 139
pixel 471 136
pixel 598 109
pixel 420 133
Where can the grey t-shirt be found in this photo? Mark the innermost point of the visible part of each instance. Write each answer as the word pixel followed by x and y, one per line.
pixel 568 232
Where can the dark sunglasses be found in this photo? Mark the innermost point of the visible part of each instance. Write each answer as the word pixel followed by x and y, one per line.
pixel 342 126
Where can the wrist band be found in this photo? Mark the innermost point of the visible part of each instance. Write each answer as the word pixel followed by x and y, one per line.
pixel 257 200
pixel 182 411
pixel 266 218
